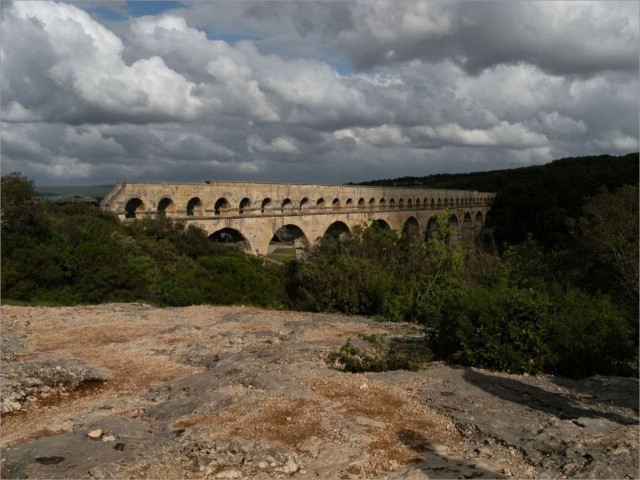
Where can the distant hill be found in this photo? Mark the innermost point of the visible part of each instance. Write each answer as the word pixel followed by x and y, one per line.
pixel 90 192
pixel 538 200
pixel 611 171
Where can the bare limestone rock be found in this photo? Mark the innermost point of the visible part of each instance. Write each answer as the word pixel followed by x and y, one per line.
pixel 258 400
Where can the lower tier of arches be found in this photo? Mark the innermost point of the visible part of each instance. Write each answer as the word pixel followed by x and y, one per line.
pixel 257 235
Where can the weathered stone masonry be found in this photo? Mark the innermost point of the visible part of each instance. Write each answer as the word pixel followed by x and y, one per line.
pixel 255 211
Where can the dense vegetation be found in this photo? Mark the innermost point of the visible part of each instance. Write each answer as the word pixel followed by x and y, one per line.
pixel 560 299
pixel 77 253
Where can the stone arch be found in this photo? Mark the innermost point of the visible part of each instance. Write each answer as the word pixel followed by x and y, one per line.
pixel 433 229
pixel 195 207
pixel 337 229
pixel 266 204
pixel 305 204
pixel 454 233
pixel 410 203
pixel 392 203
pixel 291 235
pixel 445 203
pixel 231 237
pixel 372 202
pixel 349 203
pixel 134 207
pixel 335 204
pixel 362 203
pixel 411 228
pixel 439 202
pixel 166 205
pixel 479 220
pixel 221 206
pixel 401 203
pixel 245 204
pixel 287 205
pixel 467 228
pixel 320 204
pixel 417 203
pixel 382 203
pixel 379 223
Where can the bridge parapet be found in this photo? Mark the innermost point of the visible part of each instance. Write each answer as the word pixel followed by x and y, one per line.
pixel 257 210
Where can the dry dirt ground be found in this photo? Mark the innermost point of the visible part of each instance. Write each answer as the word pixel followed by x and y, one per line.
pixel 131 391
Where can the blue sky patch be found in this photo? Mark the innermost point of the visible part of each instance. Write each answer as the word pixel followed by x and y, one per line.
pixel 139 9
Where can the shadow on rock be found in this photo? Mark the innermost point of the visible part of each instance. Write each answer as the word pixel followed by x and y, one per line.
pixel 435 459
pixel 619 391
pixel 538 398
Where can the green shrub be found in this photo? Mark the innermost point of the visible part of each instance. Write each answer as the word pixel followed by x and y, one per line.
pixel 379 357
pixel 340 283
pixel 588 335
pixel 495 329
pixel 526 331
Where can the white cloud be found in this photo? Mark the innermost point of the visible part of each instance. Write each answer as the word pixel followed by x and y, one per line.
pixel 615 142
pixel 85 65
pixel 555 123
pixel 505 135
pixel 277 145
pixel 382 136
pixel 89 141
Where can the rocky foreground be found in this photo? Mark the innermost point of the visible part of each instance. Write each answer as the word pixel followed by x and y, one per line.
pixel 130 391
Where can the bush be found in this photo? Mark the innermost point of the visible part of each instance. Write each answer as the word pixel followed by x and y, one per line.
pixel 526 331
pixel 379 357
pixel 588 335
pixel 340 283
pixel 494 329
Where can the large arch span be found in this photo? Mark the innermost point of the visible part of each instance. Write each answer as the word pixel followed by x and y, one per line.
pixel 251 214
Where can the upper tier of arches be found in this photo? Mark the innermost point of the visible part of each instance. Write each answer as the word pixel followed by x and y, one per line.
pixel 222 206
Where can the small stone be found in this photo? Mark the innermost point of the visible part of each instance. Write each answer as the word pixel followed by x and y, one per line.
pixel 108 438
pixel 369 422
pixel 95 434
pixel 364 386
pixel 440 449
pixel 291 466
pixel 231 473
pixel 484 451
pixel 289 419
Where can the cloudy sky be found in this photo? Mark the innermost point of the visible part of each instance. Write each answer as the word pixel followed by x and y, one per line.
pixel 299 91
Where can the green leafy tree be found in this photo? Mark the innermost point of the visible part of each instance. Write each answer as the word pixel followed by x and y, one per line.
pixel 21 210
pixel 608 241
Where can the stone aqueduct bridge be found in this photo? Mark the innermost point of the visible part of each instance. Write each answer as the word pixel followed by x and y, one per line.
pixel 253 212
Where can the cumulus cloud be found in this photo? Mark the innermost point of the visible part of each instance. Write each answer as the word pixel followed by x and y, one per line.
pixel 382 136
pixel 77 64
pixel 313 91
pixel 277 145
pixel 480 35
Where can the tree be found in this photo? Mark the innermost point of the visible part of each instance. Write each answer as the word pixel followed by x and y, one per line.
pixel 21 211
pixel 607 234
